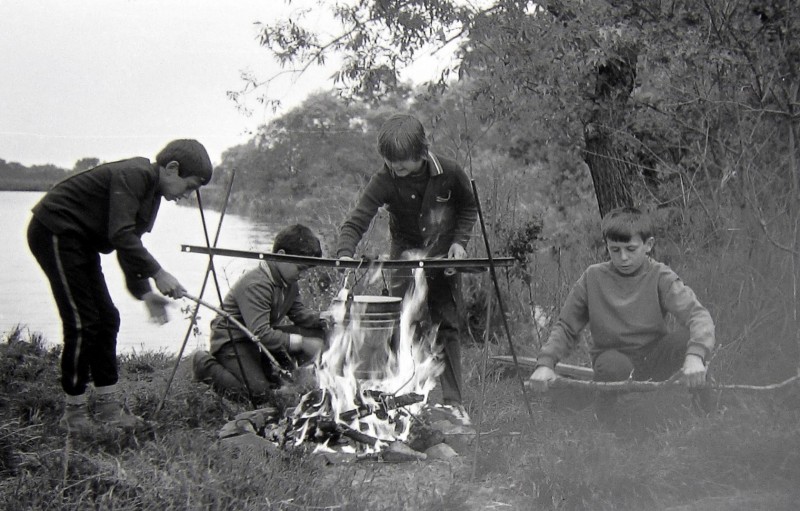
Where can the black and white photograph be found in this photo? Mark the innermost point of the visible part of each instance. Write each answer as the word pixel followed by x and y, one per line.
pixel 400 255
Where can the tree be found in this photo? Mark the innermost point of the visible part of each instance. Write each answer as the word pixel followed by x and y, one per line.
pixel 85 164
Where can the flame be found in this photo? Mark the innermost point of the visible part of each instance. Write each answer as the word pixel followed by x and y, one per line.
pixel 343 388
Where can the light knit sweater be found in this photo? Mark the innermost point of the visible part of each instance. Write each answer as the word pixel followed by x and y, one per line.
pixel 628 312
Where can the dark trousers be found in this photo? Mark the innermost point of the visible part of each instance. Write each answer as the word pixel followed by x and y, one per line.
pixel 89 319
pixel 443 310
pixel 234 368
pixel 657 362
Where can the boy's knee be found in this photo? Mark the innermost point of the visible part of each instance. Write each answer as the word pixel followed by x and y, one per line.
pixel 612 365
pixel 208 370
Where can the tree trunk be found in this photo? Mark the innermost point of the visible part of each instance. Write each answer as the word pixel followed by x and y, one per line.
pixel 611 171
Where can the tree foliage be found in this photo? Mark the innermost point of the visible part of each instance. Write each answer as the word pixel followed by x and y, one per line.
pixel 657 90
pixel 85 164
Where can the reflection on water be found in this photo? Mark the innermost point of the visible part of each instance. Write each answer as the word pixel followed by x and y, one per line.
pixel 25 296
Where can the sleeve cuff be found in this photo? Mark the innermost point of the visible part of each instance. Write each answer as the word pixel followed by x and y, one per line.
pixel 699 350
pixel 546 360
pixel 139 288
pixel 295 342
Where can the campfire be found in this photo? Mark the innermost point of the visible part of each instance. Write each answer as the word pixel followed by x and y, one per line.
pixel 371 395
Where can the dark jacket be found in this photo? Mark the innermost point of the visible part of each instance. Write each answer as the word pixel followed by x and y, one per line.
pixel 444 214
pixel 109 208
pixel 261 300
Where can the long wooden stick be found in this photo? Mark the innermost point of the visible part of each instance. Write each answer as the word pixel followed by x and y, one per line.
pixel 650 386
pixel 499 296
pixel 236 354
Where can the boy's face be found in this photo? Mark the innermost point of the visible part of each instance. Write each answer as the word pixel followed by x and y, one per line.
pixel 404 168
pixel 291 272
pixel 628 256
pixel 173 187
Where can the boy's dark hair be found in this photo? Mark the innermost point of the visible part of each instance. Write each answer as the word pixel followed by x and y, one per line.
pixel 297 240
pixel 191 156
pixel 622 224
pixel 402 137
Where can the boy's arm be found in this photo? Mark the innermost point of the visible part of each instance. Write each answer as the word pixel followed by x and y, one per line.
pixel 571 320
pixel 466 209
pixel 681 302
pixel 351 231
pixel 125 192
pixel 254 299
pixel 303 316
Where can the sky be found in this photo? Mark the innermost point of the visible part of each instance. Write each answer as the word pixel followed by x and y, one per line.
pixel 112 79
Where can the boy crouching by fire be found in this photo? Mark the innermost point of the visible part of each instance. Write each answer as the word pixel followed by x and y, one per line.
pixel 262 300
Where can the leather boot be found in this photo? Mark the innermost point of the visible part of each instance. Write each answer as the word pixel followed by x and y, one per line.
pixel 108 409
pixel 76 417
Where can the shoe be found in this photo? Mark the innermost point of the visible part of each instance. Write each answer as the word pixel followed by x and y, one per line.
pixel 458 412
pixel 108 410
pixel 200 363
pixel 76 417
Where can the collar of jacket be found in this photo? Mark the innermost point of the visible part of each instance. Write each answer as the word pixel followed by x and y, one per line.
pixel 272 271
pixel 434 167
pixel 157 169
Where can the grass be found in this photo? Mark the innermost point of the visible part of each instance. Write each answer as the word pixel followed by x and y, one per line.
pixel 659 455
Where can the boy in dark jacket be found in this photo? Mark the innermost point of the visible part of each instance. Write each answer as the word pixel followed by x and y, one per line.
pixel 625 302
pixel 261 300
pixel 104 209
pixel 431 208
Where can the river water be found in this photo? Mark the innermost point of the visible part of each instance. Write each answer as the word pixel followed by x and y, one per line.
pixel 25 296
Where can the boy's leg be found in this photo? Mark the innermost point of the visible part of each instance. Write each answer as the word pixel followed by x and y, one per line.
pixel 400 281
pixel 255 371
pixel 101 325
pixel 207 369
pixel 612 365
pixel 666 358
pixel 662 359
pixel 609 366
pixel 444 312
pixel 69 266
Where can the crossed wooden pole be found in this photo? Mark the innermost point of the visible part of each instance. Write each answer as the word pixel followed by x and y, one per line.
pixel 209 270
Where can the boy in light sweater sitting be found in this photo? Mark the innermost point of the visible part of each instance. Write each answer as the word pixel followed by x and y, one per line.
pixel 625 302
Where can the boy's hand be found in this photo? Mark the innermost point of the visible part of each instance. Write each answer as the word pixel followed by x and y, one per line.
pixel 309 346
pixel 168 285
pixel 312 346
pixel 694 372
pixel 326 319
pixel 156 307
pixel 456 252
pixel 541 377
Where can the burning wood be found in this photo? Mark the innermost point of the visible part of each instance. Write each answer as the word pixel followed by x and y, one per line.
pixel 314 417
pixel 371 400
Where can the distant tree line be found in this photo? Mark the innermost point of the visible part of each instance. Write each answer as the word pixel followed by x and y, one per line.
pixel 17 177
pixel 37 178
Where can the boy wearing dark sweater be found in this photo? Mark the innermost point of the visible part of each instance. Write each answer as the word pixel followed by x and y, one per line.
pixel 432 209
pixel 625 302
pixel 101 210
